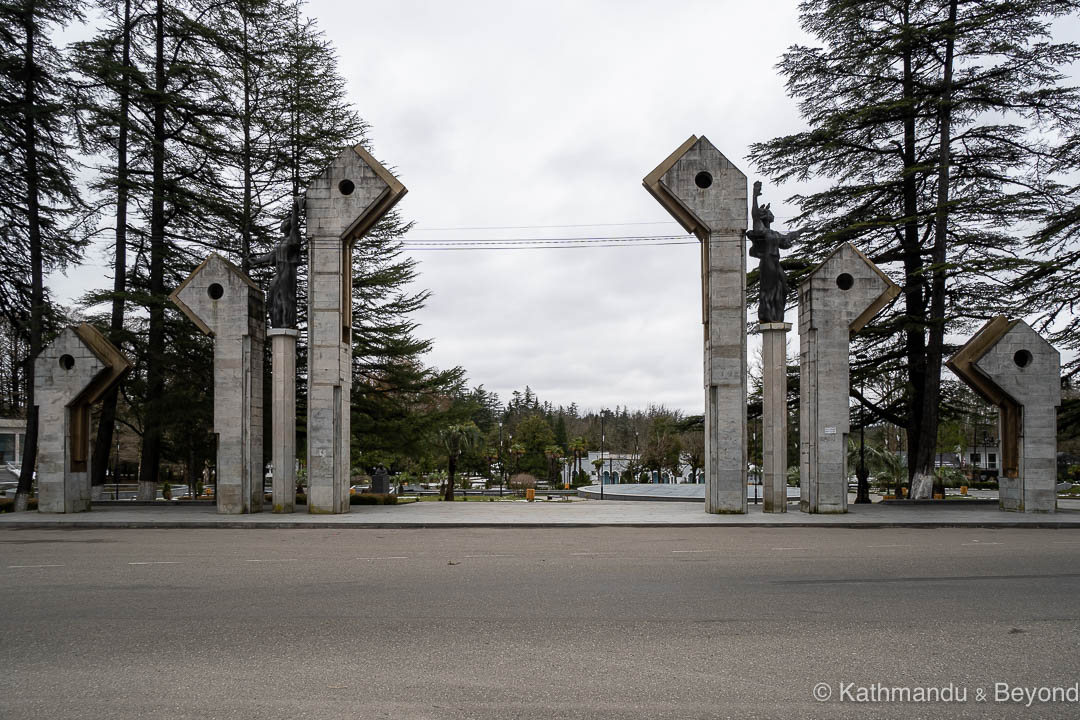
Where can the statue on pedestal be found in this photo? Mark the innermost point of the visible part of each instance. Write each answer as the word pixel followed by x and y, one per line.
pixel 766 245
pixel 285 257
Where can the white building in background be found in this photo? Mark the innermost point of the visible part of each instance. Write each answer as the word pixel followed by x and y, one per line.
pixel 615 465
pixel 12 439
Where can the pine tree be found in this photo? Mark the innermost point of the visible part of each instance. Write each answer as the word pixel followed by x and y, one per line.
pixel 926 116
pixel 105 110
pixel 38 196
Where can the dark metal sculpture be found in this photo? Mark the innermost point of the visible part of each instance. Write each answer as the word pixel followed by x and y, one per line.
pixel 766 245
pixel 285 257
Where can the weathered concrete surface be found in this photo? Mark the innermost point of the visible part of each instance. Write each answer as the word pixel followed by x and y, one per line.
pixel 774 415
pixel 706 193
pixel 342 203
pixel 227 305
pixel 1014 368
pixel 70 374
pixel 837 299
pixel 283 410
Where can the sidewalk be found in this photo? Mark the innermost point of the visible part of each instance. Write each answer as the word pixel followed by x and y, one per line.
pixel 582 513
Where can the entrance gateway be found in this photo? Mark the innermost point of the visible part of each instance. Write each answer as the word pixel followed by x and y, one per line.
pixel 1007 363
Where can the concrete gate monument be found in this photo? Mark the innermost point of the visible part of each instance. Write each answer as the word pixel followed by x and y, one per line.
pixel 73 372
pixel 1013 367
pixel 706 194
pixel 838 298
pixel 343 203
pixel 227 305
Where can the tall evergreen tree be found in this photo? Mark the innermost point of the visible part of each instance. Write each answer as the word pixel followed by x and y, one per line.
pixel 37 191
pixel 106 88
pixel 185 111
pixel 926 115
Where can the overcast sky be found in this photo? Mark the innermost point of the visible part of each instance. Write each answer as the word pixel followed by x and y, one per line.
pixel 519 116
pixel 512 114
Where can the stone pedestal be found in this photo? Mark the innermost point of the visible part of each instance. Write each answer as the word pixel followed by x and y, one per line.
pixel 72 373
pixel 774 415
pixel 1013 367
pixel 283 412
pixel 838 298
pixel 706 194
pixel 226 304
pixel 342 203
pixel 380 482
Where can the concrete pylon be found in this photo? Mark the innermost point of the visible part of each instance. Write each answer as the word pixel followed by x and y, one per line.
pixel 283 411
pixel 70 375
pixel 227 305
pixel 342 203
pixel 837 299
pixel 706 194
pixel 1013 367
pixel 774 415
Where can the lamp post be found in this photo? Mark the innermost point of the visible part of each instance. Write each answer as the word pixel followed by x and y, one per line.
pixel 862 492
pixel 502 470
pixel 600 467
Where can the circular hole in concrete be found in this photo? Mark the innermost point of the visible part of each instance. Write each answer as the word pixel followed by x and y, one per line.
pixel 67 362
pixel 844 281
pixel 346 186
pixel 215 291
pixel 703 179
pixel 1022 358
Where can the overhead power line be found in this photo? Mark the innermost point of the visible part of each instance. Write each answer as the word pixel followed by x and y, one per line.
pixel 424 248
pixel 419 228
pixel 560 243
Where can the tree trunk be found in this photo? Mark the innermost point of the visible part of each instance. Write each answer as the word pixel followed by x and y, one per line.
pixel 155 369
pixel 451 468
pixel 914 294
pixel 922 484
pixel 37 290
pixel 106 423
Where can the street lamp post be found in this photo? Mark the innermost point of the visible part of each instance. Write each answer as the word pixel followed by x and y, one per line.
pixel 600 467
pixel 502 470
pixel 862 491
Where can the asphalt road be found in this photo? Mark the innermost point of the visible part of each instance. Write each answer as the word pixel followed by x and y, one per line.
pixel 576 623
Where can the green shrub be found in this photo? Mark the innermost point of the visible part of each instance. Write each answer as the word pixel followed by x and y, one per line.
pixel 301 499
pixel 373 499
pixel 8 504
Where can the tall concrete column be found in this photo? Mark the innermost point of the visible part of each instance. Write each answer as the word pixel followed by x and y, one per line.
pixel 342 204
pixel 774 415
pixel 283 410
pixel 223 302
pixel 706 194
pixel 838 298
pixel 1013 367
pixel 74 371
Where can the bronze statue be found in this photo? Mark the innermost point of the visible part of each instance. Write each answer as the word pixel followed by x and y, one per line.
pixel 285 257
pixel 766 245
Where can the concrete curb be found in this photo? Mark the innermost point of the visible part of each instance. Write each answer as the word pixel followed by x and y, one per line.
pixel 337 525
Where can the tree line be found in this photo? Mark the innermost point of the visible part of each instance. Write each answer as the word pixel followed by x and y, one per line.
pixel 174 130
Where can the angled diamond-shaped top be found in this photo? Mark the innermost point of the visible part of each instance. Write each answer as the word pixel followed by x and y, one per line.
pixel 847 286
pixel 347 198
pixel 68 366
pixel 701 189
pixel 1009 358
pixel 218 294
